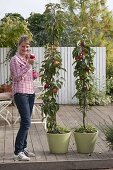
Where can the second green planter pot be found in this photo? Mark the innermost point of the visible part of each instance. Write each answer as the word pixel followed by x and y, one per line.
pixel 85 142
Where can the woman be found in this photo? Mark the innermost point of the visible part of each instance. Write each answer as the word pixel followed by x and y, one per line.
pixel 23 91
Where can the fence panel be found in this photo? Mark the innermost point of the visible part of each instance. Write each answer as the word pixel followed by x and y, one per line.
pixel 68 89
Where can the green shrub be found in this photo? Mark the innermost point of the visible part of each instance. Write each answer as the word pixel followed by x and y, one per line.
pixel 107 129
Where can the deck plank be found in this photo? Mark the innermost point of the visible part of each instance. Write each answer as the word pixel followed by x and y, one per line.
pixel 43 139
pixel 37 147
pixel 8 143
pixel 2 140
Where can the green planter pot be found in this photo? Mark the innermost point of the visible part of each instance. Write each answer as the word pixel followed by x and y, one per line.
pixel 58 143
pixel 85 142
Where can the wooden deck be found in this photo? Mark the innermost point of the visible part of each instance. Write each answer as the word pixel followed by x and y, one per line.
pixel 71 117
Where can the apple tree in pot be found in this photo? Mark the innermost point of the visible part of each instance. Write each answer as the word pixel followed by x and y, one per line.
pixel 58 137
pixel 83 56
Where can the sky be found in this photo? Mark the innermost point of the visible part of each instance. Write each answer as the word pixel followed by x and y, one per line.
pixel 25 7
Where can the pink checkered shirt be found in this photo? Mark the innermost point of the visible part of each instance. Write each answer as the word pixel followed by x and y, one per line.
pixel 21 74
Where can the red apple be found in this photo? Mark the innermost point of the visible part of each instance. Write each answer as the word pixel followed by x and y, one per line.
pixel 87 69
pixel 82 44
pixel 55 90
pixel 56 62
pixel 46 86
pixel 32 56
pixel 35 75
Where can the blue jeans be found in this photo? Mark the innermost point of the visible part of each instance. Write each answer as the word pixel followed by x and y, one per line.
pixel 24 103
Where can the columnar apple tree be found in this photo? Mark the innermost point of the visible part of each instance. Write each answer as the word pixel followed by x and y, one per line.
pixel 51 66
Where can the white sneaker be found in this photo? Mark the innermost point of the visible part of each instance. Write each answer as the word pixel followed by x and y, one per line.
pixel 21 157
pixel 28 153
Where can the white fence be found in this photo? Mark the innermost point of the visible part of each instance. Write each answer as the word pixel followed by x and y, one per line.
pixel 68 89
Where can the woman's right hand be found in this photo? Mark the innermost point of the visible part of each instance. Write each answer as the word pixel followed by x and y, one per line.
pixel 31 59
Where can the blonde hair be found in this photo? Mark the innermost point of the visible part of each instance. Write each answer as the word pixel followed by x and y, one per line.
pixel 24 38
